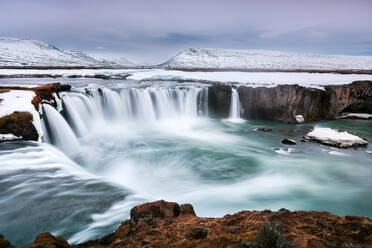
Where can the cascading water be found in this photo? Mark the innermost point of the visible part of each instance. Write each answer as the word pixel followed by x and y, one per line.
pixel 107 105
pixel 142 144
pixel 234 115
pixel 146 104
pixel 60 132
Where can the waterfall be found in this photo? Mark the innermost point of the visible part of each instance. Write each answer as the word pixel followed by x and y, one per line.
pixel 75 109
pixel 104 106
pixel 60 132
pixel 142 104
pixel 234 115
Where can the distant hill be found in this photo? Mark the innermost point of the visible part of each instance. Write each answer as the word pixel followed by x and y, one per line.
pixel 114 60
pixel 32 53
pixel 261 59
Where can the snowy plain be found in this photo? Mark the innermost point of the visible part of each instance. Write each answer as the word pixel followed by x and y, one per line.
pixel 254 79
pixel 265 59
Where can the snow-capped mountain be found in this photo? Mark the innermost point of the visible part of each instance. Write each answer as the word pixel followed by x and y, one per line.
pixel 114 61
pixel 262 59
pixel 21 52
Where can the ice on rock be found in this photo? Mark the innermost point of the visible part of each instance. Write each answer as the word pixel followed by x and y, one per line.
pixel 8 137
pixel 334 137
pixel 300 118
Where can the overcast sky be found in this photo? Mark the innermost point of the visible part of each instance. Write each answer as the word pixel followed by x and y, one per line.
pixel 154 30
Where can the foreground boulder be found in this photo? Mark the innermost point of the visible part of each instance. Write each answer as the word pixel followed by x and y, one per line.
pixel 168 224
pixel 335 137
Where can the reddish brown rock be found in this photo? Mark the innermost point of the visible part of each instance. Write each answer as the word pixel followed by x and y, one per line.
pixel 162 224
pixel 47 240
pixel 5 243
pixel 19 124
pixel 44 92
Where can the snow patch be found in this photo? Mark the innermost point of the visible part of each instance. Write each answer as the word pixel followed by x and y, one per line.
pixel 335 137
pixel 8 137
pixel 20 100
pixel 300 118
pixel 356 116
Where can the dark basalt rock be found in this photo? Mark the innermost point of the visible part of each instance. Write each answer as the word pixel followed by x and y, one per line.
pixel 283 102
pixel 288 142
pixel 219 98
pixel 264 129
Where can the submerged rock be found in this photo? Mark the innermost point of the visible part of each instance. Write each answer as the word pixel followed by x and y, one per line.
pixel 264 129
pixel 288 142
pixel 162 224
pixel 334 137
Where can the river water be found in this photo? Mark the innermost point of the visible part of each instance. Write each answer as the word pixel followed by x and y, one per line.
pixel 111 149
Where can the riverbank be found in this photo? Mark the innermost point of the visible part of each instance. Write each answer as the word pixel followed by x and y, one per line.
pixel 168 224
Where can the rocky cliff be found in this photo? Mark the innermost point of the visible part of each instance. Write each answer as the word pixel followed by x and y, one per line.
pixel 21 123
pixel 168 224
pixel 284 102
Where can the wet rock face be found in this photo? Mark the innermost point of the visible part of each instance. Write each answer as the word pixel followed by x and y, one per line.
pixel 284 102
pixel 19 124
pixel 281 103
pixel 355 98
pixel 219 98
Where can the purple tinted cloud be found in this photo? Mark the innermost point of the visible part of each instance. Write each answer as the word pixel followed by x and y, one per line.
pixel 152 31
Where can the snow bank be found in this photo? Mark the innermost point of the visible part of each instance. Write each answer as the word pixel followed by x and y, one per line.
pixel 356 116
pixel 253 79
pixel 334 137
pixel 264 59
pixel 20 100
pixel 8 137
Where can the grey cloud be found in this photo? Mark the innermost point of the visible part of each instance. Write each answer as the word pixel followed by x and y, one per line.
pixel 152 31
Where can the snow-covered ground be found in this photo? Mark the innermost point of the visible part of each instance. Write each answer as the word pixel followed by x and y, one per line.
pixel 357 116
pixel 254 79
pixel 335 137
pixel 20 100
pixel 268 79
pixel 262 59
pixel 8 137
pixel 18 52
